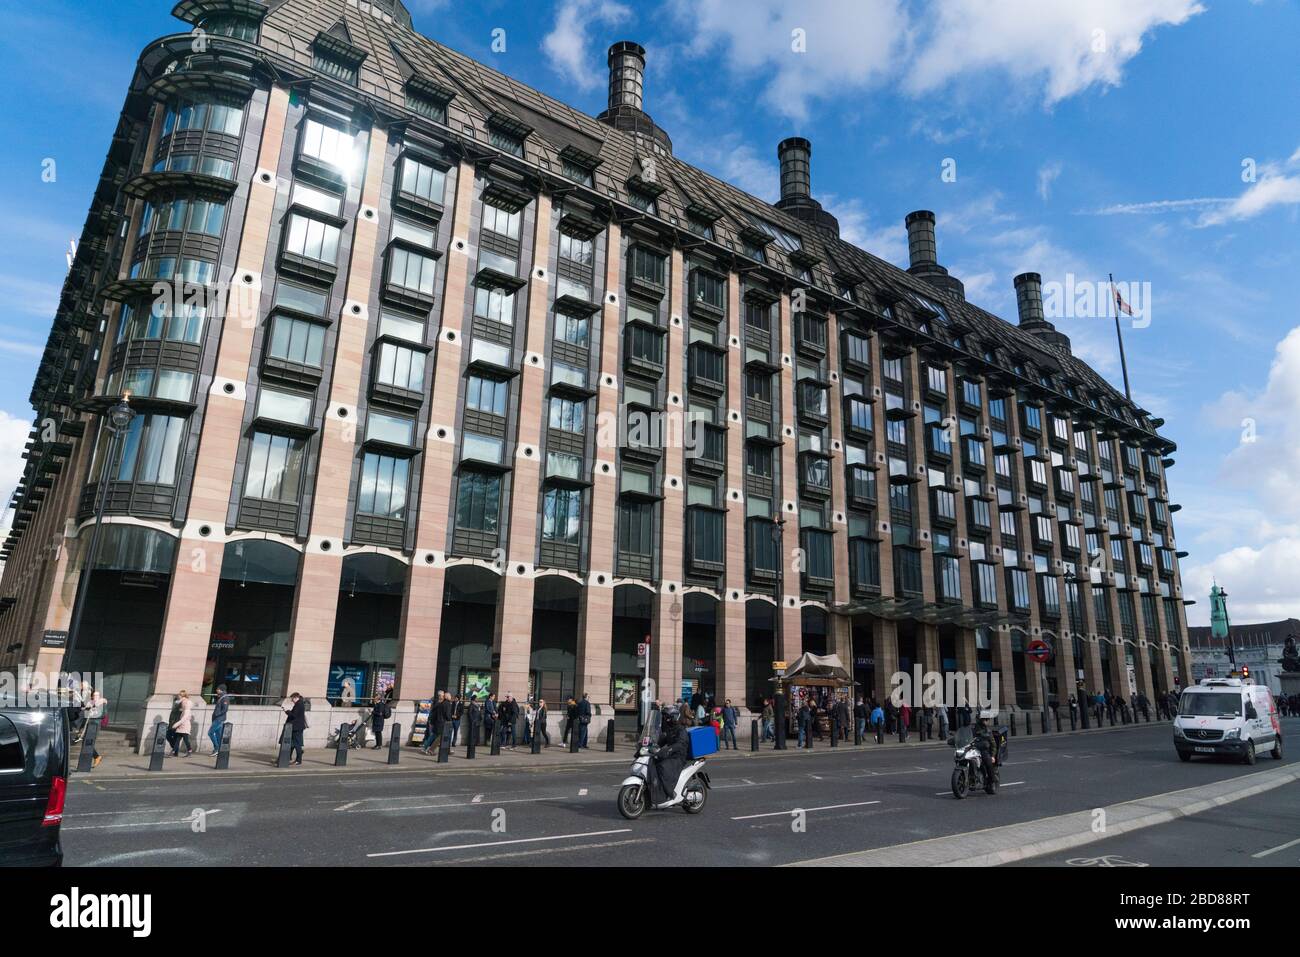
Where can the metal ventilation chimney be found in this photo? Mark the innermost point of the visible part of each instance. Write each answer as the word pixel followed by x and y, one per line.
pixel 1029 304
pixel 627 94
pixel 923 254
pixel 795 156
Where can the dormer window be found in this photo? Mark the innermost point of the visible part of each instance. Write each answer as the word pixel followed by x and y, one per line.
pixel 643 201
pixel 426 104
pixel 506 142
pixel 700 227
pixel 231 25
pixel 577 172
pixel 336 66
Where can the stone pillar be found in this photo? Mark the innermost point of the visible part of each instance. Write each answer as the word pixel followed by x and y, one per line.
pixel 730 647
pixel 595 644
pixel 885 638
pixel 311 637
pixel 1002 663
pixel 417 647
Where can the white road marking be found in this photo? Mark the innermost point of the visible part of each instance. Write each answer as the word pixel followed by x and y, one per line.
pixel 582 792
pixel 1001 784
pixel 105 827
pixel 431 807
pixel 477 799
pixel 520 840
pixel 1280 847
pixel 828 807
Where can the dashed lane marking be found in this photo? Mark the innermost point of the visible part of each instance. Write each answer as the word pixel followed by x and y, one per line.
pixel 828 807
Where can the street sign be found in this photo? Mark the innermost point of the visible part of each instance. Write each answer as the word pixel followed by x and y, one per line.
pixel 642 649
pixel 1040 650
pixel 778 666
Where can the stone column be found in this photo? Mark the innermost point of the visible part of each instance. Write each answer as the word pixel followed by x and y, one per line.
pixel 730 647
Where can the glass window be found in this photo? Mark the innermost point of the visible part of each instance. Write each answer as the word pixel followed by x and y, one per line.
pixel 576 250
pixel 317 199
pixel 491 302
pixel 427 106
pixel 501 221
pixel 568 415
pixel 301 299
pixel 564 465
pixel 394 429
pixel 331 146
pixel 576 172
pixel 487 395
pixel 648 266
pixel 482 448
pixel 383 486
pixel 401 327
pixel 506 142
pixel 312 239
pixel 411 270
pixel 150 449
pixel 284 406
pixel 562 515
pixel 274 467
pixel 297 340
pixel 423 180
pixel 478 501
pixel 415 234
pixel 572 329
pixel 401 367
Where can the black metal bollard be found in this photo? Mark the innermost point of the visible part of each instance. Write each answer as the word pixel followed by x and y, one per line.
pixel 497 730
pixel 575 736
pixel 395 744
pixel 159 747
pixel 857 733
pixel 536 739
pixel 835 732
pixel 609 736
pixel 1013 724
pixel 86 760
pixel 880 733
pixel 341 749
pixel 1044 722
pixel 1112 717
pixel 1029 724
pixel 902 729
pixel 1073 721
pixel 223 750
pixel 444 744
pixel 471 742
pixel 753 735
pixel 778 713
pixel 286 741
pixel 1083 716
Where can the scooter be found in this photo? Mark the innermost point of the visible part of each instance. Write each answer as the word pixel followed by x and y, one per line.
pixel 634 795
pixel 971 770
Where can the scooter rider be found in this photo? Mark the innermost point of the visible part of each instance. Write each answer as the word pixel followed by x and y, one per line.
pixel 672 751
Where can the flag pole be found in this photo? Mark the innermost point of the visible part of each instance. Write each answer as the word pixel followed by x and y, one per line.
pixel 1120 336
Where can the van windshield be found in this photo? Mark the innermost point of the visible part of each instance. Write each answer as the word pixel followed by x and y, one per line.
pixel 1206 704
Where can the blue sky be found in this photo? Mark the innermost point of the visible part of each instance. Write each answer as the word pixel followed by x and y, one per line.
pixel 1087 137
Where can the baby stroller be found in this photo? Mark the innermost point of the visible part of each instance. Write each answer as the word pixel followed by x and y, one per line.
pixel 355 731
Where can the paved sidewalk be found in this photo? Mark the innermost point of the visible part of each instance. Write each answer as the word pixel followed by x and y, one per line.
pixel 125 765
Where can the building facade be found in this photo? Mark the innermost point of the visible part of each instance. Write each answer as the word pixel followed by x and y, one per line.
pixel 440 382
pixel 1257 646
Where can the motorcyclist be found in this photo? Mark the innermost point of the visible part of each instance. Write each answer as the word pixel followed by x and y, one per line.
pixel 672 751
pixel 985 742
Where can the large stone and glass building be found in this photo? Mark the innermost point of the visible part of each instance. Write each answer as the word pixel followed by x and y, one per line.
pixel 440 381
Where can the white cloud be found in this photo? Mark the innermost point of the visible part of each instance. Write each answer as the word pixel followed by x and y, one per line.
pixel 1158 206
pixel 13 436
pixel 29 297
pixel 1253 499
pixel 1052 50
pixel 1274 186
pixel 566 45
pixel 1065 47
pixel 888 242
pixel 1047 175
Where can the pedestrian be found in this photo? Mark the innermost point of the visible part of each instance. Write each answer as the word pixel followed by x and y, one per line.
pixel 432 730
pixel 96 710
pixel 943 724
pixel 904 721
pixel 729 718
pixel 509 714
pixel 220 707
pixel 539 723
pixel 860 714
pixel 804 720
pixel 456 712
pixel 183 725
pixel 584 719
pixel 570 720
pixel 296 719
pixel 381 712
pixel 878 720
pixel 768 719
pixel 688 717
pixel 490 711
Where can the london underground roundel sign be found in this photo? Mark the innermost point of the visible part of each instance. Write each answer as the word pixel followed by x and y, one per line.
pixel 1040 650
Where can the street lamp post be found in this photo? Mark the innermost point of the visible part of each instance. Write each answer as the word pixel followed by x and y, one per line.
pixel 778 704
pixel 116 421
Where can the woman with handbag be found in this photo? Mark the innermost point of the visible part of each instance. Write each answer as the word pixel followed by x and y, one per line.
pixel 183 725
pixel 97 710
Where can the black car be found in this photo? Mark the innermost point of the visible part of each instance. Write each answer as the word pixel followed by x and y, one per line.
pixel 33 785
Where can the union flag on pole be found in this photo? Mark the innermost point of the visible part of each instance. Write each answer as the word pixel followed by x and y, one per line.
pixel 1120 304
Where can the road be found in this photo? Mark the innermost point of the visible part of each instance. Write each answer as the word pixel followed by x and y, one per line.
pixel 850 801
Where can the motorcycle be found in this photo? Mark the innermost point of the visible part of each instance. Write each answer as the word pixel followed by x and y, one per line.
pixel 971 770
pixel 634 795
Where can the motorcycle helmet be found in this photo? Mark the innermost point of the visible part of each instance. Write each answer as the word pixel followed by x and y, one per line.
pixel 670 715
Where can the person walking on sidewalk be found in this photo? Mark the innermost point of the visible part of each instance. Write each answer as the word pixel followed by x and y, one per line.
pixel 96 710
pixel 860 717
pixel 490 711
pixel 183 725
pixel 455 713
pixel 220 708
pixel 509 714
pixel 296 719
pixel 433 723
pixel 878 720
pixel 584 719
pixel 539 722
pixel 729 719
pixel 769 720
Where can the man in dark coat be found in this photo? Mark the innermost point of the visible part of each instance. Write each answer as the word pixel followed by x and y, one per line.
pixel 490 711
pixel 381 712
pixel 673 750
pixel 296 719
pixel 584 719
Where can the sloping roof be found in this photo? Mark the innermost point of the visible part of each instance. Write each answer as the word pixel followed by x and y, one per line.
pixel 482 93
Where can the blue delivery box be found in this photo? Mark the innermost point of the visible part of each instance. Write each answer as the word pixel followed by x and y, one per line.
pixel 703 741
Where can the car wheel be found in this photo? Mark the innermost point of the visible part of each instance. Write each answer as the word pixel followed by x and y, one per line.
pixel 1250 753
pixel 1277 748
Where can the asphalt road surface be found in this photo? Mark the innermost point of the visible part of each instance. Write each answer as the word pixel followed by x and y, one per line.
pixel 764 809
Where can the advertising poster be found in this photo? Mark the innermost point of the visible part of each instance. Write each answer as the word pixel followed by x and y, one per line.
pixel 476 684
pixel 345 684
pixel 623 692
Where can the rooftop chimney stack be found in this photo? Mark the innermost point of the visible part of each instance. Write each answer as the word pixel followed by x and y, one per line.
pixel 795 157
pixel 1029 304
pixel 627 94
pixel 626 75
pixel 923 254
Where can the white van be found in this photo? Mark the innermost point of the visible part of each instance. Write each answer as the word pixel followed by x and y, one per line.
pixel 1227 716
